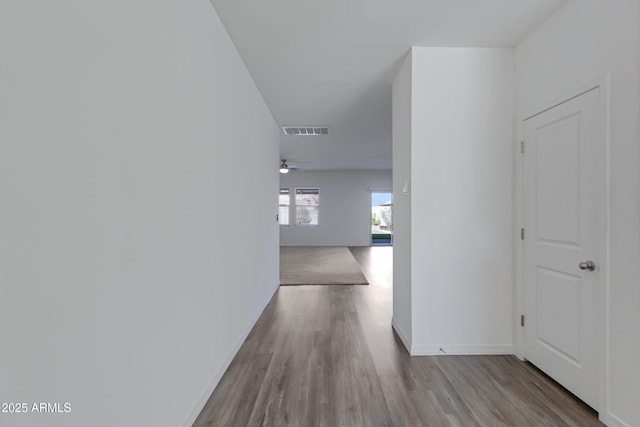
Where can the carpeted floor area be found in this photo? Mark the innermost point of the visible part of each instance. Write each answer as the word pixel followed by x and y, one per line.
pixel 314 265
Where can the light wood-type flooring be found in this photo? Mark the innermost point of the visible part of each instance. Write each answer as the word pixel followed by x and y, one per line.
pixel 327 356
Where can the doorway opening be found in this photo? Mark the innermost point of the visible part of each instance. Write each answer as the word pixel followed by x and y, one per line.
pixel 381 219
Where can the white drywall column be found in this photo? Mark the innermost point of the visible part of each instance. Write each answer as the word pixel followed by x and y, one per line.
pixel 402 202
pixel 584 41
pixel 461 201
pixel 125 230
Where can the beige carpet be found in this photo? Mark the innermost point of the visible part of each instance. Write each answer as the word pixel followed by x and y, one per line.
pixel 314 265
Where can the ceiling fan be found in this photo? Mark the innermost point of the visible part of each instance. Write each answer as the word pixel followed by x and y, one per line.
pixel 285 167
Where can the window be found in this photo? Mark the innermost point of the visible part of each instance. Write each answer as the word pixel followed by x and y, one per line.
pixel 285 202
pixel 307 202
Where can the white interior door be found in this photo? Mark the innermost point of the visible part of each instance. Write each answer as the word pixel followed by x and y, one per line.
pixel 564 232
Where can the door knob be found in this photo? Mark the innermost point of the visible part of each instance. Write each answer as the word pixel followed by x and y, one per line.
pixel 587 265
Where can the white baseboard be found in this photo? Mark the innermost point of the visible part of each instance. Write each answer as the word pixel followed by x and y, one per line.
pixel 432 350
pixel 457 350
pixel 611 420
pixel 403 337
pixel 216 379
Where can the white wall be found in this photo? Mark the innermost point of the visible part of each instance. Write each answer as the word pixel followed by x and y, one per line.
pixel 123 282
pixel 401 111
pixel 345 207
pixel 582 42
pixel 461 200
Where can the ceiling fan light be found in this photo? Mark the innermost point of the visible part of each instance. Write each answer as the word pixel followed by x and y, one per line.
pixel 284 168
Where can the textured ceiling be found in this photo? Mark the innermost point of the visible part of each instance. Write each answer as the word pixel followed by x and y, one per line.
pixel 332 62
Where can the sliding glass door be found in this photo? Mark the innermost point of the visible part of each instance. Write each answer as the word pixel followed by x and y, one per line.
pixel 381 219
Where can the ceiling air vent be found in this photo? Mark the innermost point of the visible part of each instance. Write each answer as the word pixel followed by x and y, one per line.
pixel 305 130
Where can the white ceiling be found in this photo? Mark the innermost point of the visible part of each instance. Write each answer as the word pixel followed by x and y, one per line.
pixel 332 62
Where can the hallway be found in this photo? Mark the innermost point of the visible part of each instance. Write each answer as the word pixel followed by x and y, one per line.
pixel 327 356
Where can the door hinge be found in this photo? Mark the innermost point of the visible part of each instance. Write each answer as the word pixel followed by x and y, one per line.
pixel 522 320
pixel 522 233
pixel 522 147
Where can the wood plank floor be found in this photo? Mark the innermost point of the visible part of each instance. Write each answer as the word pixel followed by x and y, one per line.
pixel 327 356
